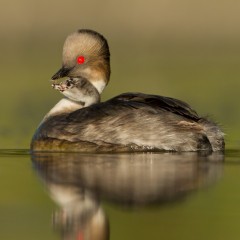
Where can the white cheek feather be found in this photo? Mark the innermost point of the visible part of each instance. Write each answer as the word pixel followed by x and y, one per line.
pixel 99 85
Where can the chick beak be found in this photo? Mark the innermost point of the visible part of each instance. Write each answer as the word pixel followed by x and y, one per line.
pixel 62 72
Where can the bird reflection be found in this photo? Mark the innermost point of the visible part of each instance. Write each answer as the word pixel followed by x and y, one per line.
pixel 77 183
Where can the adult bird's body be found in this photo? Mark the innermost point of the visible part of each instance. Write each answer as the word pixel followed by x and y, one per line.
pixel 128 122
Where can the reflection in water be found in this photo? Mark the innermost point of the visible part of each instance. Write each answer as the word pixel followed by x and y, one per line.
pixel 76 182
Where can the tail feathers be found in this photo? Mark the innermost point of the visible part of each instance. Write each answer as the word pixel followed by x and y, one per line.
pixel 214 134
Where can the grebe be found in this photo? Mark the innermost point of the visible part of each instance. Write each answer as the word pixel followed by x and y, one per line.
pixel 128 122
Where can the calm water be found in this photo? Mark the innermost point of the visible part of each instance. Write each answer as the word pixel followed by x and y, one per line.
pixel 119 196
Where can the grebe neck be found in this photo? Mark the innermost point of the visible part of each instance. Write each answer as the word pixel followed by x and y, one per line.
pixel 64 106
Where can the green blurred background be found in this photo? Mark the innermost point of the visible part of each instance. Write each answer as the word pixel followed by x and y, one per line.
pixel 184 49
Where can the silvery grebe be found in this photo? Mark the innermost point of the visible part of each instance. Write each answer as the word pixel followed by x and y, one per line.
pixel 128 122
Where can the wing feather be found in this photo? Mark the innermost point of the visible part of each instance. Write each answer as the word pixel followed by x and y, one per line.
pixel 158 103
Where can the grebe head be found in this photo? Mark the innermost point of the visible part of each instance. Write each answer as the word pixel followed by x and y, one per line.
pixel 86 55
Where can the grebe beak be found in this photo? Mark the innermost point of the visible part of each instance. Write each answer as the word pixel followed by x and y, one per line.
pixel 62 72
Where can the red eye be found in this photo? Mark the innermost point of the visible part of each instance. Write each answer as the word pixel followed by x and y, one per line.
pixel 80 59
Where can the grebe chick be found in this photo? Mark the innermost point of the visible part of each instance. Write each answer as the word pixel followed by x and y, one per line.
pixel 128 122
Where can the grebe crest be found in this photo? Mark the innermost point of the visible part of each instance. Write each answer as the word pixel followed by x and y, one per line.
pixel 128 122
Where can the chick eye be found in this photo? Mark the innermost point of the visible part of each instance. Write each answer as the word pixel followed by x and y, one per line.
pixel 80 59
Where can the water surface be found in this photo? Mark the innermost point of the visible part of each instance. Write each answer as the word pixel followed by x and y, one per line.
pixel 119 196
